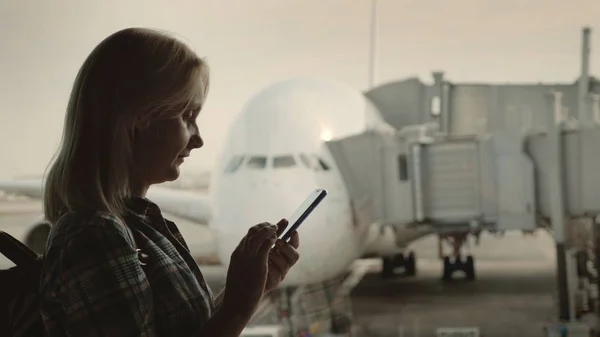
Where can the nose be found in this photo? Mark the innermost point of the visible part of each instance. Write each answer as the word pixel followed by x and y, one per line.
pixel 196 140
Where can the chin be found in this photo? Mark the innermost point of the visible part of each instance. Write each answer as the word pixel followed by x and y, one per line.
pixel 173 174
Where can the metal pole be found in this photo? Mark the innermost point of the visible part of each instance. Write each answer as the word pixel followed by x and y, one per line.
pixel 438 79
pixel 446 107
pixel 596 280
pixel 557 213
pixel 583 113
pixel 572 281
pixel 594 103
pixel 373 45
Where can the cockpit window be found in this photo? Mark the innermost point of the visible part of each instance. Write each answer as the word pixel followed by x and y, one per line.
pixel 258 162
pixel 284 161
pixel 321 165
pixel 305 160
pixel 234 164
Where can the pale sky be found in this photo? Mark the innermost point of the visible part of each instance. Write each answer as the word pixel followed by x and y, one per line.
pixel 252 43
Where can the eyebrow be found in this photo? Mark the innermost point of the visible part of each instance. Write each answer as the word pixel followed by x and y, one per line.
pixel 195 107
pixel 196 104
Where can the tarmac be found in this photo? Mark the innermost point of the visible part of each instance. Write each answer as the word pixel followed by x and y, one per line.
pixel 513 294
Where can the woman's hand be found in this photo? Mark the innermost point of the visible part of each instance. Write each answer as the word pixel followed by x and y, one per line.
pixel 281 258
pixel 247 273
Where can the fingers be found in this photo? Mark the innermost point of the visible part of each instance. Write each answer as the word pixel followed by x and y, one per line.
pixel 281 225
pixel 264 234
pixel 261 237
pixel 279 262
pixel 257 228
pixel 288 252
pixel 260 230
pixel 257 235
pixel 295 240
pixel 266 245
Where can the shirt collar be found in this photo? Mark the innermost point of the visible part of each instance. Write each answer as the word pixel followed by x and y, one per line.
pixel 142 207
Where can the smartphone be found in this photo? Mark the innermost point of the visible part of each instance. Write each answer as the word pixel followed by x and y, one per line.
pixel 309 204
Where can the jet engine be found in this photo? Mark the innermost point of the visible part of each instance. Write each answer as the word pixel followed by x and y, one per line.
pixel 36 234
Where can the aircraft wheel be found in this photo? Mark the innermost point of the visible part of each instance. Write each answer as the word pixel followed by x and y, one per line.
pixel 447 273
pixel 387 267
pixel 341 324
pixel 410 264
pixel 470 268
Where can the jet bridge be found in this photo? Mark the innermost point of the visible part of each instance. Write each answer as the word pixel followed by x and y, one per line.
pixel 458 185
pixel 491 177
pixel 580 167
pixel 417 177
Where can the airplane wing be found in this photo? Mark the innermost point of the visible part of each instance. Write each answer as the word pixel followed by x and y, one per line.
pixel 200 239
pixel 189 210
pixel 193 206
pixel 27 187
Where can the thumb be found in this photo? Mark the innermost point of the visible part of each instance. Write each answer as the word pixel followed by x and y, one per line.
pixel 281 225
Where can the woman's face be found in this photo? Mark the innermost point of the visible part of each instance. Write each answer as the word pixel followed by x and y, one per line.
pixel 160 148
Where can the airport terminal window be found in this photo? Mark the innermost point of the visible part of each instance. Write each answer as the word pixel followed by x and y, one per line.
pixel 403 167
pixel 284 161
pixel 258 162
pixel 305 160
pixel 234 164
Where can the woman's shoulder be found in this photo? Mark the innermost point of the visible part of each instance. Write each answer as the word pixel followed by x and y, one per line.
pixel 80 245
pixel 86 227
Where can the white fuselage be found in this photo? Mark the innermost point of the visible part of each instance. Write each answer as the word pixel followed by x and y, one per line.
pixel 277 142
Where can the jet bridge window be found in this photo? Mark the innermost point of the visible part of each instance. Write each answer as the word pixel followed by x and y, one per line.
pixel 234 164
pixel 258 162
pixel 305 160
pixel 402 167
pixel 284 161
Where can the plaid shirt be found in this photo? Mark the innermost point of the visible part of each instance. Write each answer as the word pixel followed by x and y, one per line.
pixel 94 283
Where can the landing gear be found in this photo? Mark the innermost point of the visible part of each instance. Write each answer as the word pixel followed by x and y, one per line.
pixel 329 300
pixel 407 262
pixel 341 324
pixel 456 262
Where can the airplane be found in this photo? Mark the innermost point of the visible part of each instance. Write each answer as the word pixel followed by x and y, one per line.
pixel 273 156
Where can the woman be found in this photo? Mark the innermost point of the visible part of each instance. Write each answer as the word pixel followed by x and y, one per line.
pixel 130 122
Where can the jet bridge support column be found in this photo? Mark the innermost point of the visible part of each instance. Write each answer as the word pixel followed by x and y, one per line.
pixel 443 95
pixel 557 200
pixel 596 227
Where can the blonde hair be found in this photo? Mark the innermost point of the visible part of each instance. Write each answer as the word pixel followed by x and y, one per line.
pixel 132 77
